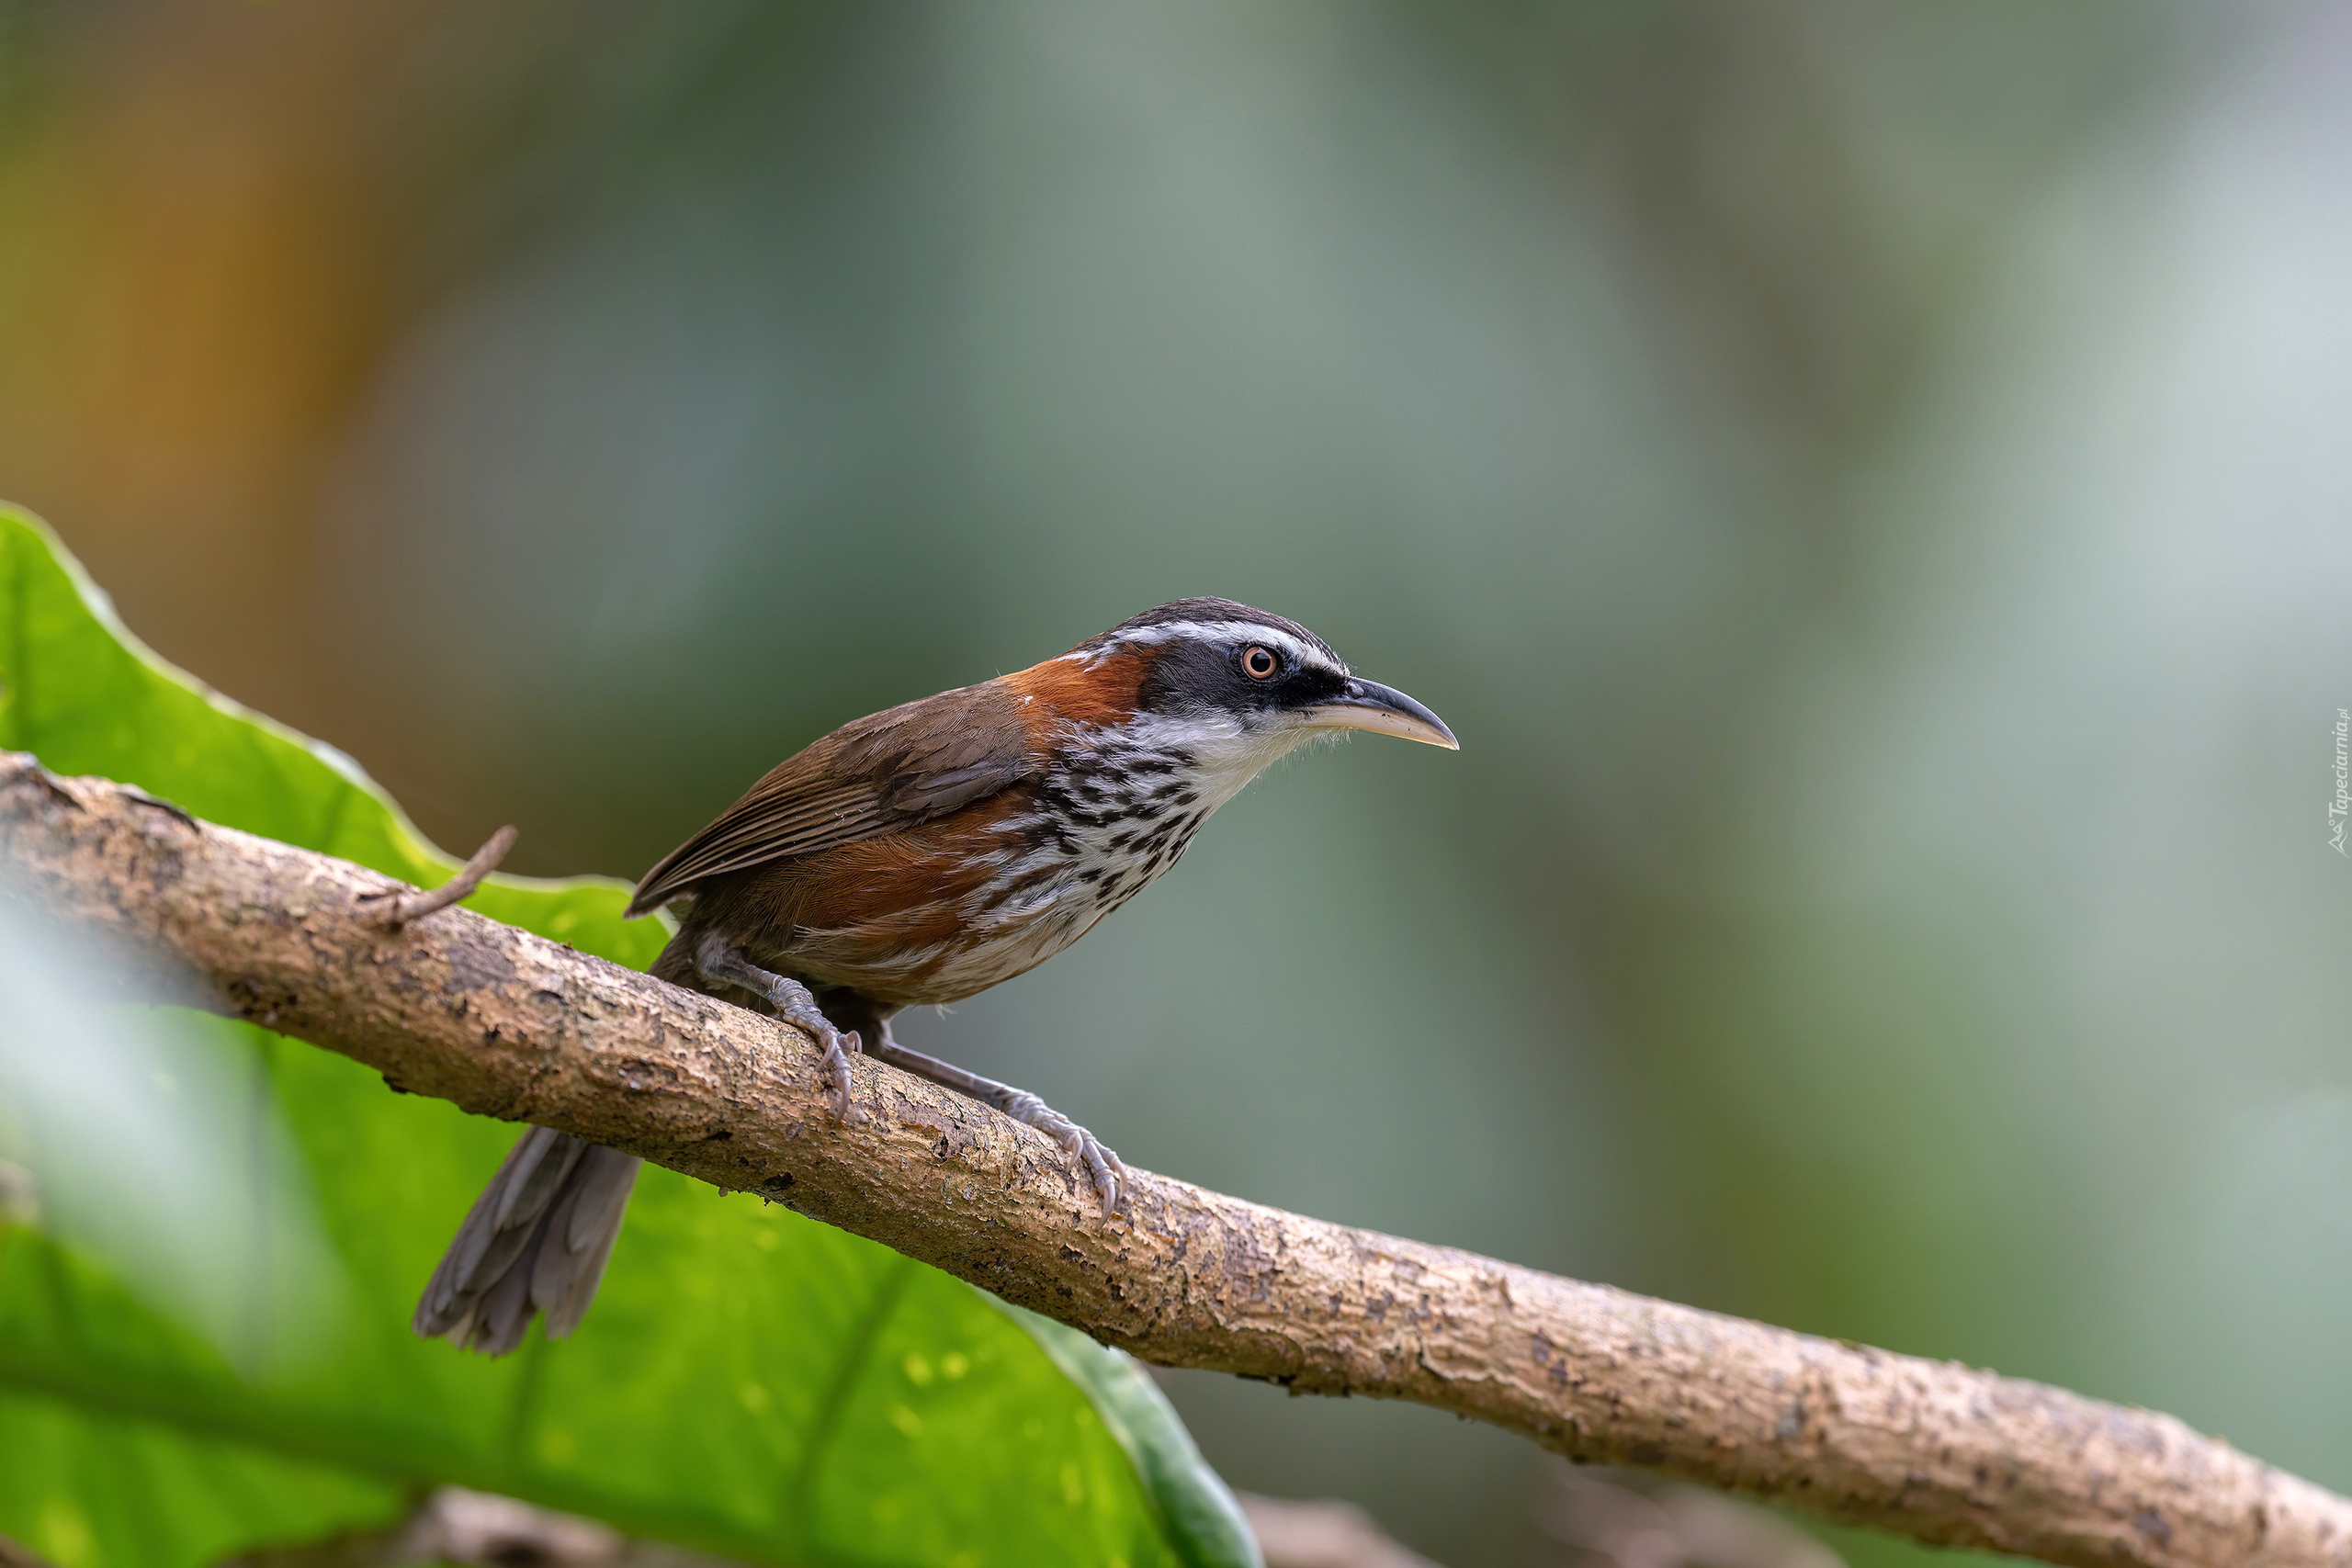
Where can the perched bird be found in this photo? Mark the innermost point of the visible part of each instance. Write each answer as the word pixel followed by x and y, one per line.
pixel 924 854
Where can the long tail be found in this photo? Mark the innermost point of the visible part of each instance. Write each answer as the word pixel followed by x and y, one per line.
pixel 536 1241
pixel 538 1237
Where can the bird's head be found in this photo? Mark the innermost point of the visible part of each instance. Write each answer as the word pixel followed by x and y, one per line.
pixel 1231 686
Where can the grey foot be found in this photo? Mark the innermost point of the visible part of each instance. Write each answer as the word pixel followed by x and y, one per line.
pixel 1103 1167
pixel 722 961
pixel 835 1064
pixel 1108 1171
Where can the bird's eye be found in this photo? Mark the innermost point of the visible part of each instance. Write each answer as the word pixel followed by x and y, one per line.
pixel 1257 664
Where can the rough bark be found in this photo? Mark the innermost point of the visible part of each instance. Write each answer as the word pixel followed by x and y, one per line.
pixel 506 1024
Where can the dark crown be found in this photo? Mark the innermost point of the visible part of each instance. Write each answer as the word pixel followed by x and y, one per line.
pixel 1210 612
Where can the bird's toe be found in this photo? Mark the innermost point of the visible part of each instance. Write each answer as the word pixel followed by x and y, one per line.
pixel 1108 1171
pixel 835 1064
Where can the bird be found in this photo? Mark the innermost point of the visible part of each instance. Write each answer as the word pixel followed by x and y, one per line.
pixel 920 855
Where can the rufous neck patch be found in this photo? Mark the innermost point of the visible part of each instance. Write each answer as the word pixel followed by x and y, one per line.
pixel 1104 690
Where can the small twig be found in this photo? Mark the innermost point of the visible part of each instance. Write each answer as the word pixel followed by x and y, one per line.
pixel 414 906
pixel 159 803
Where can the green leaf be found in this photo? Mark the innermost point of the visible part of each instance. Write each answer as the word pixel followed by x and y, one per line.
pixel 749 1381
pixel 1205 1522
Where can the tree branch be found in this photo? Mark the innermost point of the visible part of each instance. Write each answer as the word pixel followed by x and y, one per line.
pixel 507 1024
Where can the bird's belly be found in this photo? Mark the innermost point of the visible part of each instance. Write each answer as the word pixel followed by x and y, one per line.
pixel 1034 905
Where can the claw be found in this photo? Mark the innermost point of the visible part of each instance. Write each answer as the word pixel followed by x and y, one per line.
pixel 1105 1166
pixel 835 1063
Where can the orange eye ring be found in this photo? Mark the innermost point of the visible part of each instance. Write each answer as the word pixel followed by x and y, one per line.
pixel 1259 663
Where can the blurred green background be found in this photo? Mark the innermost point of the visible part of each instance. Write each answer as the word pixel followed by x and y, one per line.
pixel 1869 484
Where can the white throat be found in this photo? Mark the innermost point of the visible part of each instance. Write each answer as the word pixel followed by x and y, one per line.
pixel 1224 753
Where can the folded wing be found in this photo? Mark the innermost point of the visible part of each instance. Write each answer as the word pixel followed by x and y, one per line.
pixel 876 775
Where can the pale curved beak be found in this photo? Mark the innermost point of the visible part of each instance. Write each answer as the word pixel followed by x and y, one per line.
pixel 1383 710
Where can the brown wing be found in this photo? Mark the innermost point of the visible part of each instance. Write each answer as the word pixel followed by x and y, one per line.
pixel 875 775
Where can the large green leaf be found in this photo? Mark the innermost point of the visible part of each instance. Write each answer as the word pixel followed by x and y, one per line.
pixel 749 1381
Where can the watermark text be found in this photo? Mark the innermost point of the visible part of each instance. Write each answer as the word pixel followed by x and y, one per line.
pixel 2340 809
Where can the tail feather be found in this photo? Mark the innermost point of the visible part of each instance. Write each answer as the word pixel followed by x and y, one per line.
pixel 536 1241
pixel 581 1233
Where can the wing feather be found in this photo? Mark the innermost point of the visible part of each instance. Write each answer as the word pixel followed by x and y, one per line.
pixel 875 775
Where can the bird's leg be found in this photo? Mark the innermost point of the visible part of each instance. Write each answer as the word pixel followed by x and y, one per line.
pixel 1109 1174
pixel 721 961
